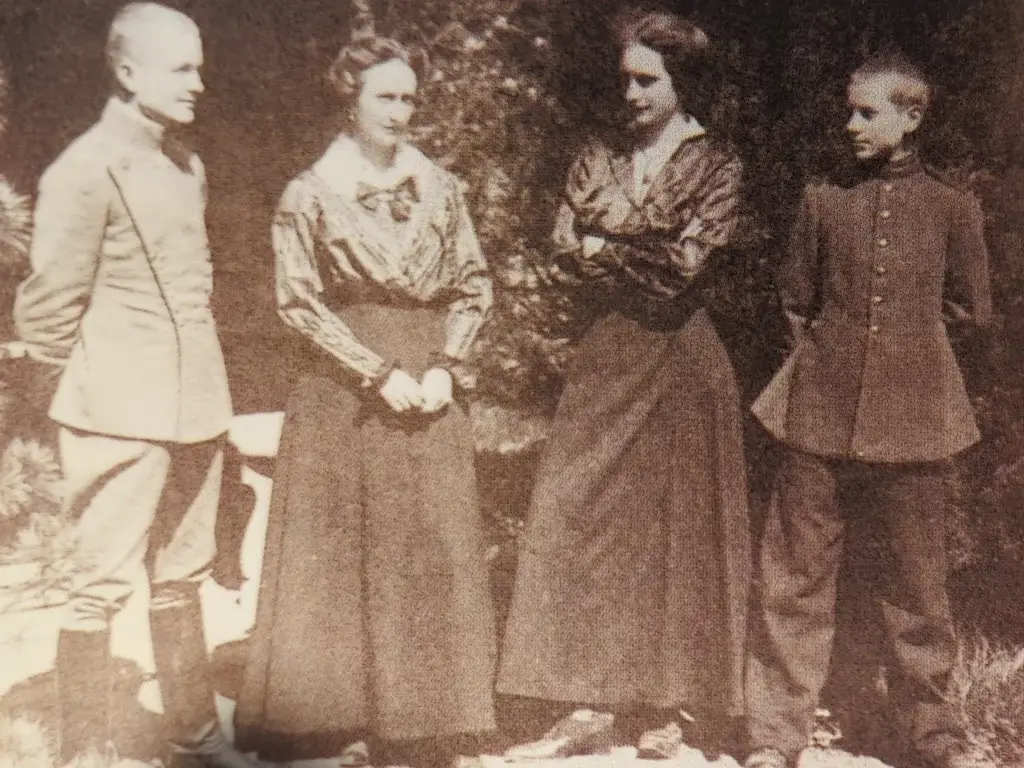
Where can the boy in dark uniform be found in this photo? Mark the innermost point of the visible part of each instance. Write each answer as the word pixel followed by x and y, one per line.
pixel 871 404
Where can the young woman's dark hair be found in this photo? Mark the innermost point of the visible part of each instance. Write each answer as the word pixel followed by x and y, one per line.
pixel 689 56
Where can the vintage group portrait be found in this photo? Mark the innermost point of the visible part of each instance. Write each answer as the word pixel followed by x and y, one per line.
pixel 511 384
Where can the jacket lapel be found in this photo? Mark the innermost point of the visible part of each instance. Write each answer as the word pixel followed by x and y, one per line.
pixel 133 173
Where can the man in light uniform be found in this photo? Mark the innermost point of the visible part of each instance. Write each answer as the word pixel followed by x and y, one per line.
pixel 119 302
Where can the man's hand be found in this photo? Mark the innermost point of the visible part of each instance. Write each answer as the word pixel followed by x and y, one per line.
pixel 401 392
pixel 437 390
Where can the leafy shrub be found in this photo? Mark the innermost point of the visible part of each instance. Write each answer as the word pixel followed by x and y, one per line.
pixel 988 689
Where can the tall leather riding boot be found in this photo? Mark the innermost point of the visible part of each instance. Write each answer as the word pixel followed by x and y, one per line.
pixel 182 667
pixel 84 684
pixel 237 504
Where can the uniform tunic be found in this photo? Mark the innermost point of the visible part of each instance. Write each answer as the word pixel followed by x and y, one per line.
pixel 870 407
pixel 874 377
pixel 119 299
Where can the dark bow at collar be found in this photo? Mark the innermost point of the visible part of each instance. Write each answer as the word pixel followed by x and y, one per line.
pixel 399 198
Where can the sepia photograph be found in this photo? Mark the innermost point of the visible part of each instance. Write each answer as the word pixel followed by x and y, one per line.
pixel 511 383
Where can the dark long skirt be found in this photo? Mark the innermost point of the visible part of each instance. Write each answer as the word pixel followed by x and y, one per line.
pixel 375 617
pixel 634 570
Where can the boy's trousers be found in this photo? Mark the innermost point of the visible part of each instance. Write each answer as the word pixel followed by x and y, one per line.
pixel 800 559
pixel 141 506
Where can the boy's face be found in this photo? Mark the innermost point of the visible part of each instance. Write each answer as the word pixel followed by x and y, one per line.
pixel 877 126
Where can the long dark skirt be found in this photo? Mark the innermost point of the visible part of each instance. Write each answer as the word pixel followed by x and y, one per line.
pixel 375 617
pixel 634 570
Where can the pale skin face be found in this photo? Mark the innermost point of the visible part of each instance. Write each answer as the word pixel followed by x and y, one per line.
pixel 878 127
pixel 161 68
pixel 650 96
pixel 386 103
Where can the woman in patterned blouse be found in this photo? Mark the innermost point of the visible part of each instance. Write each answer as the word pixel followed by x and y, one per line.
pixel 375 617
pixel 633 576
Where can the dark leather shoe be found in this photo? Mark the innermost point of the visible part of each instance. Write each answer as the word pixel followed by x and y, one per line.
pixel 211 749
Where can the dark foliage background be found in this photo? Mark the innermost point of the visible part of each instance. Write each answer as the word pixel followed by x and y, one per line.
pixel 516 85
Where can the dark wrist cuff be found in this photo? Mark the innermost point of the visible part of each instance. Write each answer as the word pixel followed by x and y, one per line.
pixel 441 360
pixel 377 381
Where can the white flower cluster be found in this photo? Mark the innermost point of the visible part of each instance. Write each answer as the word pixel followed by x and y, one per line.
pixel 15 226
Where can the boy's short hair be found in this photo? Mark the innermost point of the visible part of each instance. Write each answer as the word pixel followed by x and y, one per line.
pixel 912 89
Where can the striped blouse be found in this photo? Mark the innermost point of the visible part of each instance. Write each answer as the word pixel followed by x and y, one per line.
pixel 340 234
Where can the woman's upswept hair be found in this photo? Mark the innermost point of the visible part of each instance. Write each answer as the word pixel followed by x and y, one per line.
pixel 689 56
pixel 345 74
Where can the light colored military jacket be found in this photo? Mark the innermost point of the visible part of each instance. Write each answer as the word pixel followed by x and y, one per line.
pixel 119 294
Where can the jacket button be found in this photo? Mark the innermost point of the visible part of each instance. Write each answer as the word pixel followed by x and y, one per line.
pixel 880 270
pixel 885 214
pixel 887 187
pixel 876 299
pixel 873 329
pixel 883 241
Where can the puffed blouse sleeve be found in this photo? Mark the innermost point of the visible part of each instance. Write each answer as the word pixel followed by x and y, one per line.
pixel 471 286
pixel 570 267
pixel 300 286
pixel 665 268
pixel 663 247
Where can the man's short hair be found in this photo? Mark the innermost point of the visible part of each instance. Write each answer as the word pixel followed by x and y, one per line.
pixel 912 87
pixel 139 18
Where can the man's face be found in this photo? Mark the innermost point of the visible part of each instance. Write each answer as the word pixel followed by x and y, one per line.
pixel 161 69
pixel 877 126
pixel 651 99
pixel 386 103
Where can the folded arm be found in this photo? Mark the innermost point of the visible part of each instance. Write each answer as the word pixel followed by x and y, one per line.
pixel 666 268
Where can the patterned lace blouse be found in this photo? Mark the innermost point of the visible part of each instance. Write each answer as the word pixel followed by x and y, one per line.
pixel 339 239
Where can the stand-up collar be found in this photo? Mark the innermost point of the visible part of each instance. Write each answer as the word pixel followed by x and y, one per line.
pixel 905 166
pixel 132 126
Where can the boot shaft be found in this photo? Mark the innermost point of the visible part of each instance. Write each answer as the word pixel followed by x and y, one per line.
pixel 182 663
pixel 85 679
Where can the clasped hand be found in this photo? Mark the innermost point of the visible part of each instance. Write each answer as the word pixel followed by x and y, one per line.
pixel 403 393
pixel 592 245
